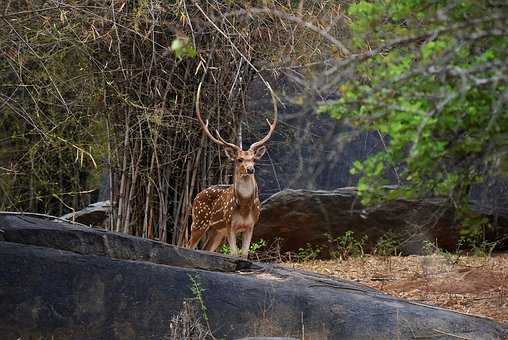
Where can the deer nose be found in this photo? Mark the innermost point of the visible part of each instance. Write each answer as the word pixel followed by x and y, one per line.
pixel 250 170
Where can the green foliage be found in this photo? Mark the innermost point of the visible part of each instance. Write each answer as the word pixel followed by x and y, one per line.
pixel 451 258
pixel 346 245
pixel 387 245
pixel 429 248
pixel 308 253
pixel 473 237
pixel 182 48
pixel 257 245
pixel 50 143
pixel 197 292
pixel 472 242
pixel 438 94
pixel 254 247
pixel 480 247
pixel 225 249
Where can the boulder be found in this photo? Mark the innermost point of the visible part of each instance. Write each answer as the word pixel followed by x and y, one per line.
pixel 96 214
pixel 63 281
pixel 301 217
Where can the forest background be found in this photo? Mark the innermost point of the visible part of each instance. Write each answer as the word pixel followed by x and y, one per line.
pixel 97 98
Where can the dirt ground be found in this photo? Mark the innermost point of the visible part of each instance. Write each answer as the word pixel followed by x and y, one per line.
pixel 471 285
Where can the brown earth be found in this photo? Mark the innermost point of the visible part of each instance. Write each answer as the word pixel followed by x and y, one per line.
pixel 470 285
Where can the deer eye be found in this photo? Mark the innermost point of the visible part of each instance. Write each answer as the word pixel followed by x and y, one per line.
pixel 240 159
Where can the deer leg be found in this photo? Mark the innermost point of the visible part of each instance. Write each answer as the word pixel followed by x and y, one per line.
pixel 232 243
pixel 246 238
pixel 214 240
pixel 196 235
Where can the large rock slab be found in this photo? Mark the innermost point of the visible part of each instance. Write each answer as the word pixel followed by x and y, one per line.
pixel 301 217
pixel 92 291
pixel 95 241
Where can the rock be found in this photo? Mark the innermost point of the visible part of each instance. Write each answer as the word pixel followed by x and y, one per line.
pixel 91 241
pixel 267 338
pixel 62 281
pixel 96 214
pixel 301 217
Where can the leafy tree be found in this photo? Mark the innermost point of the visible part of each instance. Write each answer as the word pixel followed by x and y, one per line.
pixel 432 77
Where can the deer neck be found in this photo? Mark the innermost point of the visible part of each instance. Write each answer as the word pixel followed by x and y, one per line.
pixel 246 189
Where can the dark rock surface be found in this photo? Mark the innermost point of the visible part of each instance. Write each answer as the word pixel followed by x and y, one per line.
pixel 303 216
pixel 91 241
pixel 61 281
pixel 96 214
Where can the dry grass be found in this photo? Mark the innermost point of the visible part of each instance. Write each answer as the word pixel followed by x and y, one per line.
pixel 471 285
pixel 189 323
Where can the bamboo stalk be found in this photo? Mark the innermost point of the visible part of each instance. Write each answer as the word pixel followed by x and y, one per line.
pixel 123 179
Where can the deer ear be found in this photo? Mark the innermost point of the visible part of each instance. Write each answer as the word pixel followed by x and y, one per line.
pixel 231 153
pixel 259 152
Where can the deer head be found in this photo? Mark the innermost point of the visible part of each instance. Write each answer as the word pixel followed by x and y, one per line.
pixel 245 160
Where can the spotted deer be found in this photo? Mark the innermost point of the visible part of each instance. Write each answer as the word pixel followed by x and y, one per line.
pixel 223 211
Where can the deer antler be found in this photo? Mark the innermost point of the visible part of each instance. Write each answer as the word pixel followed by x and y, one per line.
pixel 272 125
pixel 218 140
